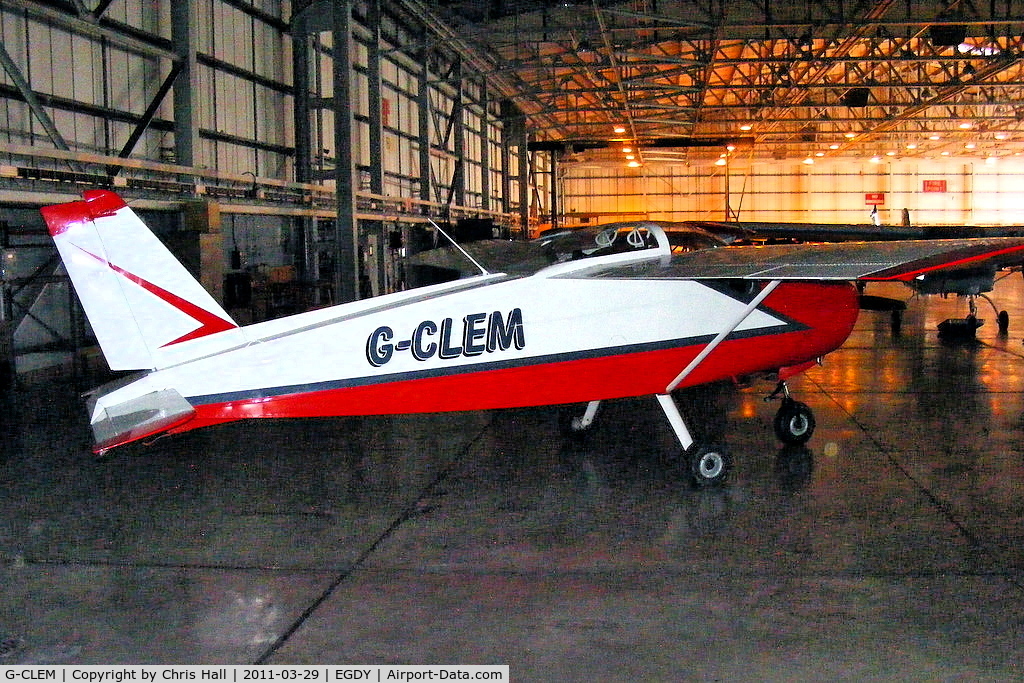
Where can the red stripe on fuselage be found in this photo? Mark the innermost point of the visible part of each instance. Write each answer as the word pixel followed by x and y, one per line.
pixel 828 310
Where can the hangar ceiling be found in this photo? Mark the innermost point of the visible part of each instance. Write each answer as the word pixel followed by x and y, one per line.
pixel 797 79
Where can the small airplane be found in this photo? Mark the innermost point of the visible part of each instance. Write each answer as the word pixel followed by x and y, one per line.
pixel 574 318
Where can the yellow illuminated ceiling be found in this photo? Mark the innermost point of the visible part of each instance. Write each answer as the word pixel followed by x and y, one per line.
pixel 797 79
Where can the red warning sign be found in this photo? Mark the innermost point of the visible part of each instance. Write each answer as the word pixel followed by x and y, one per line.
pixel 874 198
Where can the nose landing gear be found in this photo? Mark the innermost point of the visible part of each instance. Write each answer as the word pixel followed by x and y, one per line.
pixel 794 422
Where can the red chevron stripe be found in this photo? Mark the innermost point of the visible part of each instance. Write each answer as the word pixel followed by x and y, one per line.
pixel 208 322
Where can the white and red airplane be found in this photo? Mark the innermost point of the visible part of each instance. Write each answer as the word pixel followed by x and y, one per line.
pixel 577 317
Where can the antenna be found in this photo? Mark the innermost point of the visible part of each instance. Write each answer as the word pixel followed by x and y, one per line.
pixel 483 271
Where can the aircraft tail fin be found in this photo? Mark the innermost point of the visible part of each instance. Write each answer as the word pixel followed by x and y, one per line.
pixel 138 297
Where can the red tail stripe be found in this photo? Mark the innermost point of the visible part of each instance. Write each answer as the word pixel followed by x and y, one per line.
pixel 209 323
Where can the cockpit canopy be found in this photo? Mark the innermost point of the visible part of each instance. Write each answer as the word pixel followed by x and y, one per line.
pixel 562 246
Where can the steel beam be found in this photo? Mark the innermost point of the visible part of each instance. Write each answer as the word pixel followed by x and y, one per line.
pixel 33 102
pixel 346 240
pixel 186 118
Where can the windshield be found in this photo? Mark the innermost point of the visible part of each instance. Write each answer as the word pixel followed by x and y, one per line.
pixel 617 238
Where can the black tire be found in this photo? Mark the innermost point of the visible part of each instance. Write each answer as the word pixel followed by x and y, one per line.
pixel 794 423
pixel 709 465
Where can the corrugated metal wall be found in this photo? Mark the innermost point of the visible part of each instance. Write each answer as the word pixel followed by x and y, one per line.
pixel 968 192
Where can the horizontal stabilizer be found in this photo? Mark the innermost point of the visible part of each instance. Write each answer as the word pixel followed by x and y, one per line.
pixel 137 418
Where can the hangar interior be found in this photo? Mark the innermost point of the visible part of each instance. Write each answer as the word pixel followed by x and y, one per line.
pixel 291 153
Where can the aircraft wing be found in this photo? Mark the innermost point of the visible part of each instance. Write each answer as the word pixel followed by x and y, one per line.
pixel 856 232
pixel 844 261
pixel 823 232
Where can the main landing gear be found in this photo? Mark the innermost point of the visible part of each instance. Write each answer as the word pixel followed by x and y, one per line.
pixel 708 464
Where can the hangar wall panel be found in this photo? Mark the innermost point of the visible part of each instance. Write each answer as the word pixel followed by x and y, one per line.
pixel 973 192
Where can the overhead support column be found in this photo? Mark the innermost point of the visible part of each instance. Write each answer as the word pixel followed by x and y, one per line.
pixel 485 149
pixel 376 228
pixel 346 264
pixel 456 126
pixel 554 191
pixel 423 103
pixel 186 117
pixel 524 181
pixel 301 72
pixel 459 181
pixel 506 164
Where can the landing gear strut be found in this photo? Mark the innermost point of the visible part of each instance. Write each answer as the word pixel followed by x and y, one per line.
pixel 707 464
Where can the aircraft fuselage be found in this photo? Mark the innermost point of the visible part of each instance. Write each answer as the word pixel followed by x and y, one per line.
pixel 506 343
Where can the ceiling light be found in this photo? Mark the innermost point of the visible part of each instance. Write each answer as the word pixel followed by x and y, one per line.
pixel 945 154
pixel 911 145
pixel 808 161
pixel 745 126
pixel 820 154
pixel 1001 136
pixel 851 135
pixel 619 129
pixel 627 150
pixel 875 159
pixel 966 125
pixel 934 136
pixel 633 164
pixel 833 146
pixel 991 160
pixel 630 156
pixel 720 161
pixel 977 50
pixel 970 145
pixel 890 154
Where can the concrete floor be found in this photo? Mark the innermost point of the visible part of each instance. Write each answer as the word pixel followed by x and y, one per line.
pixel 890 549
